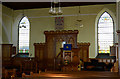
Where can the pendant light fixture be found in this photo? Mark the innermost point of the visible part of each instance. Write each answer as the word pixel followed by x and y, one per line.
pixel 52 10
pixel 79 20
pixel 59 9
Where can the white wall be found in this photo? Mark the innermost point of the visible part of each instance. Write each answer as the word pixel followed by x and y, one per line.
pixel 41 20
pixel 7 22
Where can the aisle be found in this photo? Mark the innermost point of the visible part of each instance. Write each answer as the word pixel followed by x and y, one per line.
pixel 74 75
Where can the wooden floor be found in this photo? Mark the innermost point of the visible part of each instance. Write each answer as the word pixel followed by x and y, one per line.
pixel 75 75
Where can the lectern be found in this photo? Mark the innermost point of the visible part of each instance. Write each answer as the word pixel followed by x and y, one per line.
pixel 67 54
pixel 70 58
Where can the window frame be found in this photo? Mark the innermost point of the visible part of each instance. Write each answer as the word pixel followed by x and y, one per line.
pixel 18 33
pixel 113 30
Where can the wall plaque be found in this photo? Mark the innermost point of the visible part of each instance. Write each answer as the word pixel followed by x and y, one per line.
pixel 59 23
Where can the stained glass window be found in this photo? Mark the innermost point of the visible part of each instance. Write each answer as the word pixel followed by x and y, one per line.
pixel 105 33
pixel 24 27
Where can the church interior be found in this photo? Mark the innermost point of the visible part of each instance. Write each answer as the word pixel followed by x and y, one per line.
pixel 59 40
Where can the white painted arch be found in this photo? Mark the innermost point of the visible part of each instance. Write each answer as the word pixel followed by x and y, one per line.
pixel 17 19
pixel 96 25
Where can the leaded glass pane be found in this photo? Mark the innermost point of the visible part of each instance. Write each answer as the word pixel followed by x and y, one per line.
pixel 24 35
pixel 105 33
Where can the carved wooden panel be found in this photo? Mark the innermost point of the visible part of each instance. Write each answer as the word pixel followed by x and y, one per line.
pixel 6 51
pixel 39 51
pixel 53 40
pixel 75 57
pixel 29 65
pixel 84 51
pixel 71 41
pixel 72 65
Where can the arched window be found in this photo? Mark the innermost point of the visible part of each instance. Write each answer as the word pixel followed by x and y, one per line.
pixel 105 33
pixel 24 28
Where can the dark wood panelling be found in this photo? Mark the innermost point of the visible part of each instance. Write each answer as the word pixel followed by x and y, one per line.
pixel 84 51
pixel 6 50
pixel 52 37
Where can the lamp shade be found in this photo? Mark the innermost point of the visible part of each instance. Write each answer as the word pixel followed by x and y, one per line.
pixel 51 10
pixel 59 11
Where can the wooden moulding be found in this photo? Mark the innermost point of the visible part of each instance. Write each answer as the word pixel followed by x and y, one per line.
pixel 41 44
pixel 83 44
pixel 62 32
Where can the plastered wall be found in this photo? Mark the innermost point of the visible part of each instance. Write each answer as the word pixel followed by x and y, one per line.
pixel 41 20
pixel 7 22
